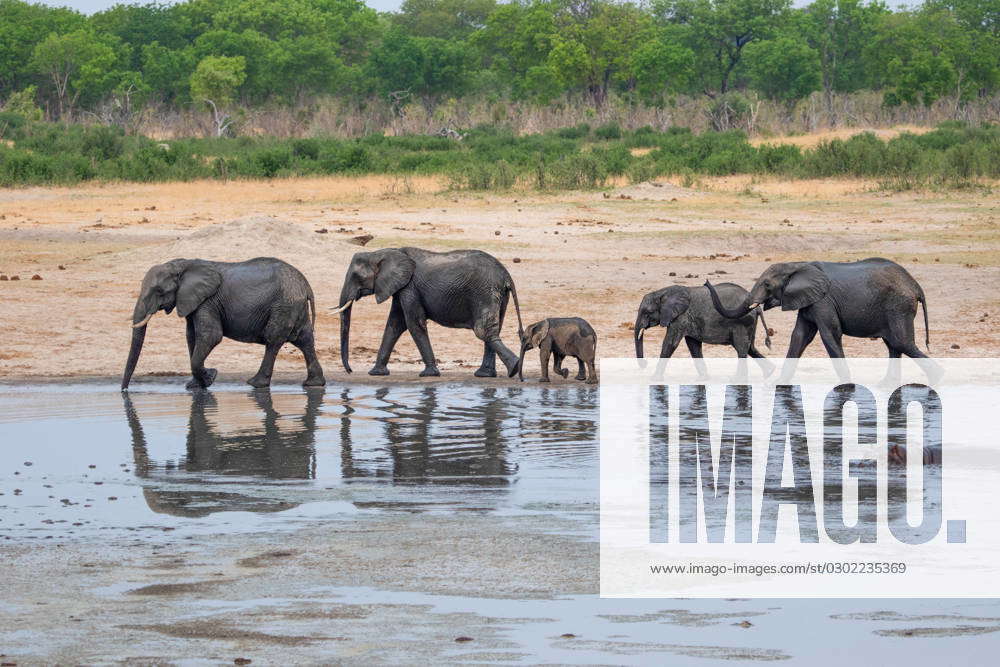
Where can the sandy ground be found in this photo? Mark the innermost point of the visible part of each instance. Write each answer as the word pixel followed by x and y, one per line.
pixel 588 254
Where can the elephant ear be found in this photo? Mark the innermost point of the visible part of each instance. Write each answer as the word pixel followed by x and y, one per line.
pixel 673 303
pixel 541 330
pixel 804 288
pixel 197 283
pixel 392 273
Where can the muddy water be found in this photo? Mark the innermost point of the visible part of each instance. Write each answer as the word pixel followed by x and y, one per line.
pixel 227 475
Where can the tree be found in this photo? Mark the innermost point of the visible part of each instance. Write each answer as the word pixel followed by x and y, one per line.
pixel 22 27
pixel 719 30
pixel 215 82
pixel 447 19
pixel 839 30
pixel 785 69
pixel 662 66
pixel 75 63
pixel 595 44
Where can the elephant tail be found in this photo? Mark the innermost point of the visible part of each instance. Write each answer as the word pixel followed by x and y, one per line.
pixel 517 308
pixel 927 325
pixel 767 332
pixel 312 307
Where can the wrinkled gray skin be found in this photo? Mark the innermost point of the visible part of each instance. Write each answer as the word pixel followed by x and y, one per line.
pixel 262 300
pixel 688 313
pixel 561 337
pixel 871 298
pixel 462 289
pixel 931 454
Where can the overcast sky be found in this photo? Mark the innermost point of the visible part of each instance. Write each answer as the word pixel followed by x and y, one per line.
pixel 91 6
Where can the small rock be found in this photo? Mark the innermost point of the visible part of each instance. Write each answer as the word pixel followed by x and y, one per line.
pixel 955 346
pixel 36 277
pixel 567 635
pixel 745 624
pixel 15 277
pixel 360 240
pixel 242 661
pixel 112 497
pixel 3 276
pixel 496 233
pixel 28 463
pixel 463 639
pixel 322 230
pixel 672 273
pixel 516 260
pixel 62 268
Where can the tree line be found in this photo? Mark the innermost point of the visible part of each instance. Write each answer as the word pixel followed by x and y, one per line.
pixel 216 55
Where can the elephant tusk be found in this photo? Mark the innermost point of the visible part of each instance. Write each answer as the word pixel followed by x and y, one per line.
pixel 342 308
pixel 642 332
pixel 145 321
pixel 753 306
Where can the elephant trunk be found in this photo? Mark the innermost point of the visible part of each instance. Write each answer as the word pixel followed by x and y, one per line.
pixel 520 362
pixel 638 333
pixel 345 308
pixel 138 336
pixel 731 313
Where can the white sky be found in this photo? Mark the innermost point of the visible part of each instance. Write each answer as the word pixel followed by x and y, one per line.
pixel 91 6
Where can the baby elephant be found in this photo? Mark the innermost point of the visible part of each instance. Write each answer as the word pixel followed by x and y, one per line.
pixel 562 337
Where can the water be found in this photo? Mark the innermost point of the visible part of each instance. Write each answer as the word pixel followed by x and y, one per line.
pixel 84 464
pixel 79 459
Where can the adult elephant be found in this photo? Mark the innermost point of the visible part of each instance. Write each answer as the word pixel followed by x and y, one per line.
pixel 871 298
pixel 262 300
pixel 463 289
pixel 688 314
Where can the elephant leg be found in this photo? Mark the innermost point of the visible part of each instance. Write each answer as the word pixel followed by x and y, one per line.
pixel 416 323
pixel 207 335
pixel 191 340
pixel 802 335
pixel 544 350
pixel 581 371
pixel 306 342
pixel 741 343
pixel 901 338
pixel 263 376
pixel 694 349
pixel 831 336
pixel 395 325
pixel 557 360
pixel 766 366
pixel 670 343
pixel 491 336
pixel 488 368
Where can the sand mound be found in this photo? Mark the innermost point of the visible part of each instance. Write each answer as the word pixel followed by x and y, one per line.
pixel 654 191
pixel 255 236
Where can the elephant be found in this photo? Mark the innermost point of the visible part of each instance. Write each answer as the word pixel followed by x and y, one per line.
pixel 870 298
pixel 562 337
pixel 462 289
pixel 688 313
pixel 262 300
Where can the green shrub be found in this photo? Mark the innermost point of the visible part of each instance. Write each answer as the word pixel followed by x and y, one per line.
pixel 609 131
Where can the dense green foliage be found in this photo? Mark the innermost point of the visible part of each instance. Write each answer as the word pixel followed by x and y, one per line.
pixel 489 158
pixel 254 52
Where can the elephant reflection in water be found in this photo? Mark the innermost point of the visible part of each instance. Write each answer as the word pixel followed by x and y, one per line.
pixel 264 452
pixel 431 442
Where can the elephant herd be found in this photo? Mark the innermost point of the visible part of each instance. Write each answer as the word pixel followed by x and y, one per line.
pixel 269 302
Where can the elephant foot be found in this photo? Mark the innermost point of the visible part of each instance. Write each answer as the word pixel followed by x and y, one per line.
pixel 592 380
pixel 379 370
pixel 565 373
pixel 430 372
pixel 513 368
pixel 581 376
pixel 486 373
pixel 259 381
pixel 205 381
pixel 317 381
pixel 544 380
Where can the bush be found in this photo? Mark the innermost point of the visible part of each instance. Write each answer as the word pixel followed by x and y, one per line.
pixel 609 131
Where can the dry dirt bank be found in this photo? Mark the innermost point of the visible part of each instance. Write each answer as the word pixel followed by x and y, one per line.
pixel 590 254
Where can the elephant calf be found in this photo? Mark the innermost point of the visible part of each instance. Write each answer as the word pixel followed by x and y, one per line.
pixel 262 300
pixel 561 337
pixel 688 313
